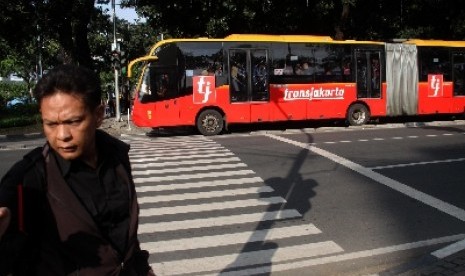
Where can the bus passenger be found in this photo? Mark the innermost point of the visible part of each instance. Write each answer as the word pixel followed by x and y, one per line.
pixel 237 87
pixel 306 69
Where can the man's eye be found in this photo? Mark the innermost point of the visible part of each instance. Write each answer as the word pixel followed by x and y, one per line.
pixel 49 124
pixel 75 122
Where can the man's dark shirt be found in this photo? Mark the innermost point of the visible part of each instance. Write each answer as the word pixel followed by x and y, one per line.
pixel 102 193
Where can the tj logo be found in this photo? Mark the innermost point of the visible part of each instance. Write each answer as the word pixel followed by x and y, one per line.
pixel 204 89
pixel 435 85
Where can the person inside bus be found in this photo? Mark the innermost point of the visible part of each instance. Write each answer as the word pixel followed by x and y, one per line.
pixel 288 70
pixel 163 86
pixel 306 69
pixel 375 73
pixel 237 86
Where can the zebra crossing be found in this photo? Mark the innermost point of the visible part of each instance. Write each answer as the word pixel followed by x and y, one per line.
pixel 203 212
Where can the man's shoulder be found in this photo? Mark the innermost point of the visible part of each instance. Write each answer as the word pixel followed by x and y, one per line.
pixel 21 168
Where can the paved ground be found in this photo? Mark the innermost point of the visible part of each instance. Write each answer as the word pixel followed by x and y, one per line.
pixel 449 260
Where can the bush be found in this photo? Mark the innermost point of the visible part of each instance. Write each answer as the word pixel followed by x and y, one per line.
pixel 10 90
pixel 19 115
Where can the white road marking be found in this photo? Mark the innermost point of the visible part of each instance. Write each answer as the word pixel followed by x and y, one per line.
pixel 391 183
pixel 185 162
pixel 199 184
pixel 230 239
pixel 449 250
pixel 341 257
pixel 200 195
pixel 176 149
pixel 158 227
pixel 199 152
pixel 223 205
pixel 191 176
pixel 417 163
pixel 189 169
pixel 151 158
pixel 247 258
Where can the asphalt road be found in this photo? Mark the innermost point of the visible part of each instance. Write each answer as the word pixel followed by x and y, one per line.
pixel 302 202
pixel 368 190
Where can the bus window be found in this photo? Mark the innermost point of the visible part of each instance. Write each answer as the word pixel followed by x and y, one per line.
pixel 259 75
pixel 158 84
pixel 458 60
pixel 434 60
pixel 238 75
pixel 368 68
pixel 311 63
pixel 204 58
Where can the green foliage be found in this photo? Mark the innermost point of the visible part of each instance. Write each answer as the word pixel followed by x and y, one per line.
pixel 19 115
pixel 59 31
pixel 10 90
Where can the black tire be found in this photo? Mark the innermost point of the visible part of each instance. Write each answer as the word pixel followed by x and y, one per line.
pixel 210 122
pixel 358 115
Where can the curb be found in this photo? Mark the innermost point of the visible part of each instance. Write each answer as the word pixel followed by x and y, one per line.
pixel 13 137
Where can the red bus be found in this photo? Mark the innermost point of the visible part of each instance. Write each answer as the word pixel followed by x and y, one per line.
pixel 211 83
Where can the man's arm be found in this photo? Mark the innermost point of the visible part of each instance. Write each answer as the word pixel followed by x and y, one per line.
pixel 5 217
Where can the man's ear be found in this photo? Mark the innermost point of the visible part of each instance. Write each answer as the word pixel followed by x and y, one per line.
pixel 100 114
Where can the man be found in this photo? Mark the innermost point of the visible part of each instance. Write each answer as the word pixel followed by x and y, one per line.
pixel 69 207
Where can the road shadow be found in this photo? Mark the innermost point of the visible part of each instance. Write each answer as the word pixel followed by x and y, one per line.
pixel 256 257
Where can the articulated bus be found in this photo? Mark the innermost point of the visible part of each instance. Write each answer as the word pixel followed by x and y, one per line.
pixel 212 83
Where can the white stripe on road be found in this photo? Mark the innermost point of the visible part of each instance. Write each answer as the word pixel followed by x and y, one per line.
pixel 177 150
pixel 155 147
pixel 191 176
pixel 216 263
pixel 391 183
pixel 151 158
pixel 200 184
pixel 189 169
pixel 158 227
pixel 223 205
pixel 178 153
pixel 417 163
pixel 186 162
pixel 200 195
pixel 230 239
pixel 161 145
pixel 289 266
pixel 449 250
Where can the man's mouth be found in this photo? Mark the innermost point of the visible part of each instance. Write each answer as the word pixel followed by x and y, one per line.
pixel 68 149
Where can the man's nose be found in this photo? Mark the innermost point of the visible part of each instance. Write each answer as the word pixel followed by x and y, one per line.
pixel 63 132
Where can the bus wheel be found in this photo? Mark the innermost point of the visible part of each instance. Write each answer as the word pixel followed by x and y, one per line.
pixel 210 122
pixel 358 115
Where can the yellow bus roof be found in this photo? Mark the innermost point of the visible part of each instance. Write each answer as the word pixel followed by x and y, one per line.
pixel 268 38
pixel 440 43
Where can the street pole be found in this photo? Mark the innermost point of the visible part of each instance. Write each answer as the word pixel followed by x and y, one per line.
pixel 118 112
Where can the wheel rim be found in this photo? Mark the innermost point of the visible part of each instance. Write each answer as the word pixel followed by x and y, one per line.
pixel 359 116
pixel 210 123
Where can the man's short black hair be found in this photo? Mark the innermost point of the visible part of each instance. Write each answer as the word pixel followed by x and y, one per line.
pixel 70 79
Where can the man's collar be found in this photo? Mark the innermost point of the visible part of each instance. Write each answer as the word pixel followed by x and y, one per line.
pixel 63 165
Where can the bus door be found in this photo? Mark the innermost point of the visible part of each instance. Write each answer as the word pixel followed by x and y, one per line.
pixel 368 66
pixel 249 85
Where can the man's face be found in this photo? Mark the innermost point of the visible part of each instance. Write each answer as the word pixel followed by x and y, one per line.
pixel 69 126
